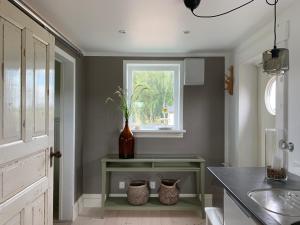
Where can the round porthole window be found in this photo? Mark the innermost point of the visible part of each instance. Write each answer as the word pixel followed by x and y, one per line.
pixel 270 96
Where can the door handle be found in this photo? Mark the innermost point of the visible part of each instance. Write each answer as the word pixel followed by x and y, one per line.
pixel 56 154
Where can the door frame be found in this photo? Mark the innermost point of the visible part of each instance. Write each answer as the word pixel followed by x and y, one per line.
pixel 67 134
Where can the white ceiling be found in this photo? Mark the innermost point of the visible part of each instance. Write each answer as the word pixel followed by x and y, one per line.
pixel 152 26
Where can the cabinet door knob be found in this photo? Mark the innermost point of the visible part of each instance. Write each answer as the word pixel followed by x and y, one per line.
pixel 56 154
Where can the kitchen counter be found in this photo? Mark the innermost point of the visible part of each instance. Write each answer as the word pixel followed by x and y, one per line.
pixel 240 181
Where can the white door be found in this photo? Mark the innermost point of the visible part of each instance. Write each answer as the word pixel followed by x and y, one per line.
pixel 26 123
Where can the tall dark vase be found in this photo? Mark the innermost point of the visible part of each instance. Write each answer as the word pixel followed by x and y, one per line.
pixel 126 143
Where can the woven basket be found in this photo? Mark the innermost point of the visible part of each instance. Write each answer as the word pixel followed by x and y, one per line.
pixel 138 192
pixel 169 192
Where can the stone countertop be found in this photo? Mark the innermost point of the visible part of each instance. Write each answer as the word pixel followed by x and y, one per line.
pixel 240 181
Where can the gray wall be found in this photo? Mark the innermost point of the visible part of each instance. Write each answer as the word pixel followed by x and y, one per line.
pixel 80 96
pixel 203 113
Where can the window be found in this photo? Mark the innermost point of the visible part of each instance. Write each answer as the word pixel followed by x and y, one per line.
pixel 270 96
pixel 157 90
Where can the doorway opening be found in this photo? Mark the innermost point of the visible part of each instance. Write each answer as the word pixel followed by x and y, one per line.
pixel 266 109
pixel 57 133
pixel 257 104
pixel 64 136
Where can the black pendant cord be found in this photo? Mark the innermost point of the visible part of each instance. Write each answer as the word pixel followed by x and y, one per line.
pixel 227 12
pixel 275 23
pixel 275 51
pixel 275 20
pixel 275 2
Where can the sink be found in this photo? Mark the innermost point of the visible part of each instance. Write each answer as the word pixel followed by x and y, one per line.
pixel 279 201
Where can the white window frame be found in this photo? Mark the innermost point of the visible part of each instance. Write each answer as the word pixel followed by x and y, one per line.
pixel 128 66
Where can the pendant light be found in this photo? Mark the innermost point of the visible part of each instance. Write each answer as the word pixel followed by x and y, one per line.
pixel 276 60
pixel 193 4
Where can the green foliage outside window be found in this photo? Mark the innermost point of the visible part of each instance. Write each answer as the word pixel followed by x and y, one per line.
pixel 152 106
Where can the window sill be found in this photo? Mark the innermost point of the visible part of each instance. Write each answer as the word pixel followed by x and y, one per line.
pixel 158 133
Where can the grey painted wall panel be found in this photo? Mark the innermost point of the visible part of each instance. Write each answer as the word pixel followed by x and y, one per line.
pixel 203 121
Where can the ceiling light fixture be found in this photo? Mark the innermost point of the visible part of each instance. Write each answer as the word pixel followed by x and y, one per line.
pixel 276 60
pixel 193 4
pixel 122 31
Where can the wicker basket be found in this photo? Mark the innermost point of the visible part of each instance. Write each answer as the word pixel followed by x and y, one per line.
pixel 138 192
pixel 169 192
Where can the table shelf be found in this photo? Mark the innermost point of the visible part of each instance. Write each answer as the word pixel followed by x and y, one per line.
pixel 153 163
pixel 184 204
pixel 155 169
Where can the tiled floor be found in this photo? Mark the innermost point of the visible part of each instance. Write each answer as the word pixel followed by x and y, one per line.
pixel 92 217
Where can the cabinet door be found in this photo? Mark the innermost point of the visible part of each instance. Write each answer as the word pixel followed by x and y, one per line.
pixel 233 215
pixel 26 122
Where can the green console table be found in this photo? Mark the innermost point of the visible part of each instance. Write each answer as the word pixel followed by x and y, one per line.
pixel 153 163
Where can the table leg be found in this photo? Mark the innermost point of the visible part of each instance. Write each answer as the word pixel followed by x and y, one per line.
pixel 108 182
pixel 103 188
pixel 203 188
pixel 198 189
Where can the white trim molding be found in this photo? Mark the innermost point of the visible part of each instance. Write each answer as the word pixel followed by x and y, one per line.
pixel 67 206
pixel 158 133
pixel 77 209
pixel 161 54
pixel 176 66
pixel 65 55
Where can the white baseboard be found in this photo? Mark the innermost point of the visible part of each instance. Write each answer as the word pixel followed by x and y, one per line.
pixel 91 201
pixel 94 200
pixel 77 208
